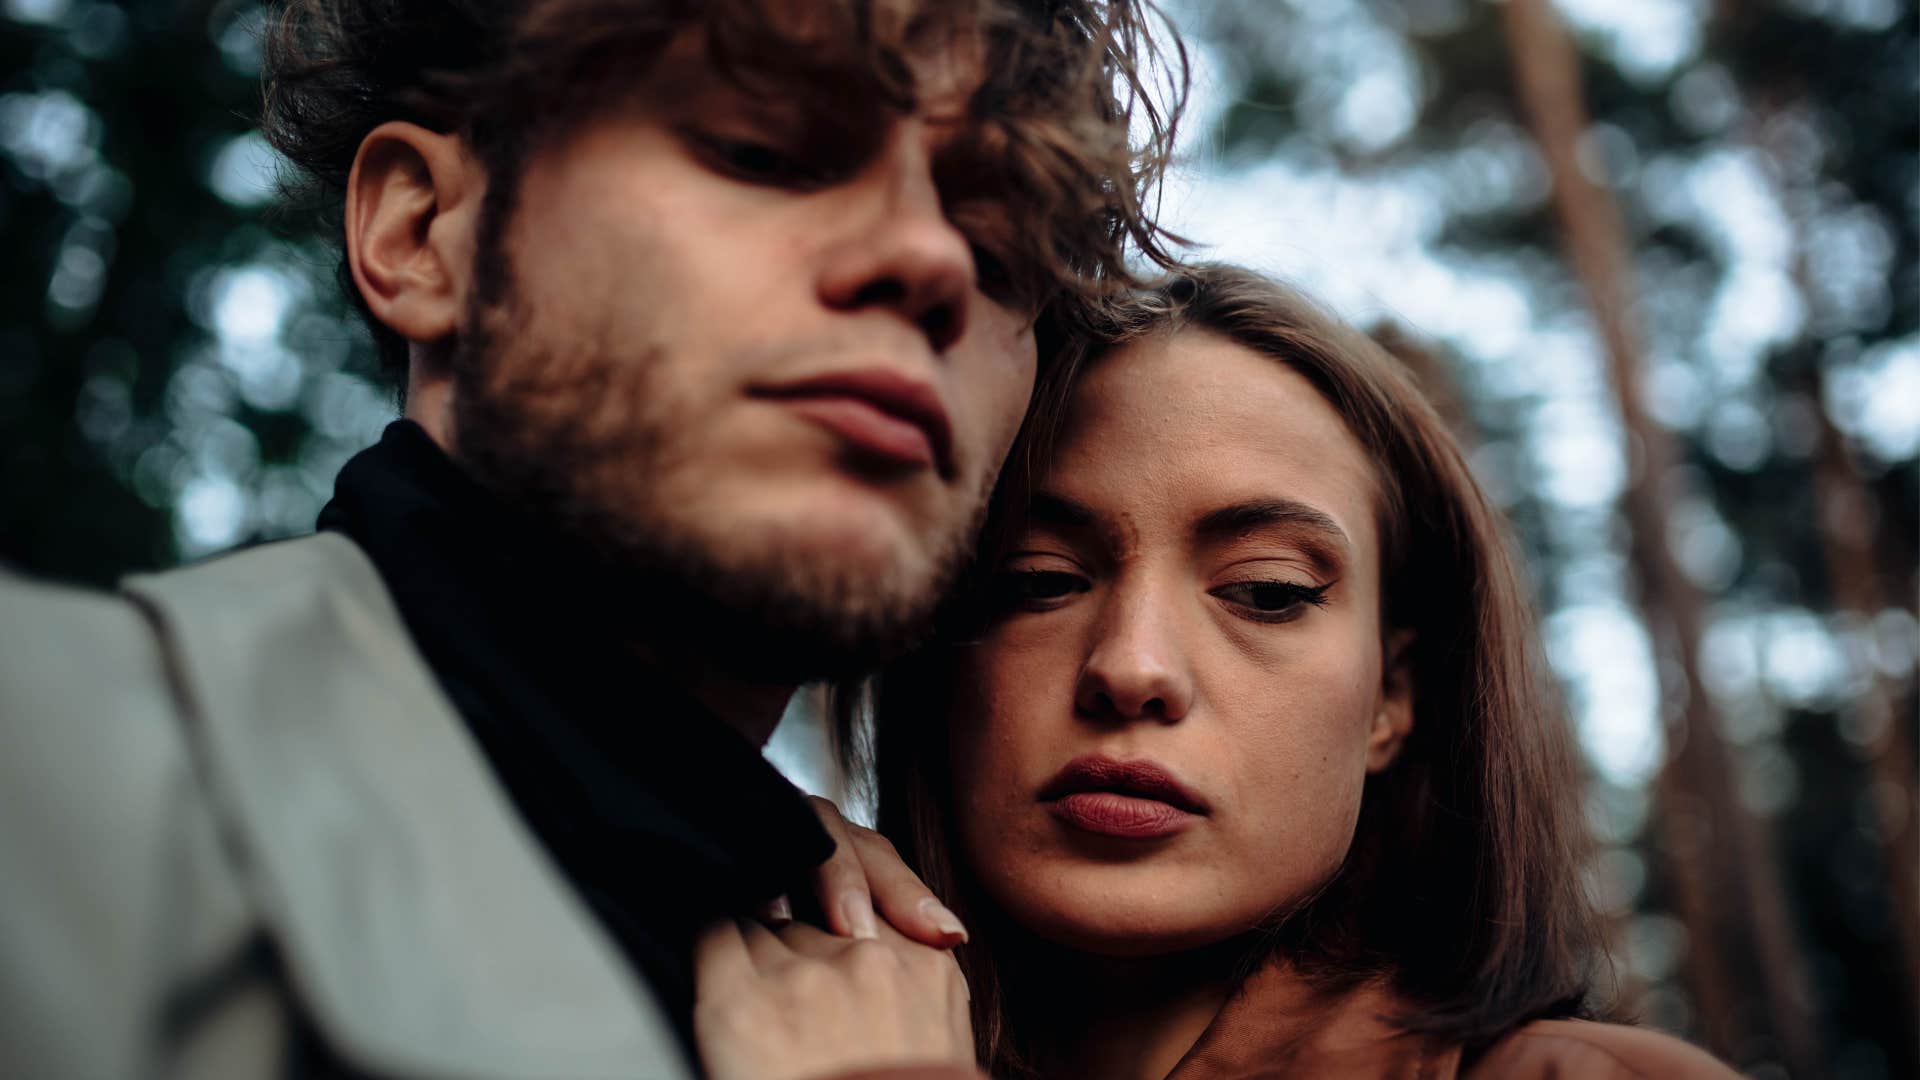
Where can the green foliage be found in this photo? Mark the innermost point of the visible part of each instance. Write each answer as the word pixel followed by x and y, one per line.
pixel 176 371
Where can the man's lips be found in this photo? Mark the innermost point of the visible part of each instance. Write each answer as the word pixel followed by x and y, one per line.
pixel 1129 799
pixel 883 413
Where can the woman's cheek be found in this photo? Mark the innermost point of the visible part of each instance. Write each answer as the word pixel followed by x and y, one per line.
pixel 987 715
pixel 1302 773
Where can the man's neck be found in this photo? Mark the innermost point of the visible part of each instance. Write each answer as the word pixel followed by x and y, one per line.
pixel 753 710
pixel 430 404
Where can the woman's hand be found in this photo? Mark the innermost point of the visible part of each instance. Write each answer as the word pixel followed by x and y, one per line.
pixel 866 874
pixel 799 1002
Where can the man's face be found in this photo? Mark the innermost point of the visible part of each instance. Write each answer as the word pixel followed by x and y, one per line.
pixel 748 346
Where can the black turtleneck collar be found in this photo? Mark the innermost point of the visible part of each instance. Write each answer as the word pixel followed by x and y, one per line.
pixel 663 817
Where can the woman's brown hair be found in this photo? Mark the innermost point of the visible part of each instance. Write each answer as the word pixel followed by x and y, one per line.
pixel 1463 881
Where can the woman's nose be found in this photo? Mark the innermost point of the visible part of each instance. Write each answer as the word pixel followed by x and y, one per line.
pixel 1135 670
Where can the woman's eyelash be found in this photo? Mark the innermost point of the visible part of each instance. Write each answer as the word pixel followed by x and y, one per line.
pixel 1037 586
pixel 1268 601
pixel 1273 600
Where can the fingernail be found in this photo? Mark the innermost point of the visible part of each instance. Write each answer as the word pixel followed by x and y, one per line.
pixel 780 910
pixel 858 913
pixel 943 918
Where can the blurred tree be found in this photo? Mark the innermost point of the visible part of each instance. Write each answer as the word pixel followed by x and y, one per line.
pixel 176 374
pixel 1727 886
pixel 1785 106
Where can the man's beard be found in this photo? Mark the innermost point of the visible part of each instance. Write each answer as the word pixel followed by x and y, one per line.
pixel 579 439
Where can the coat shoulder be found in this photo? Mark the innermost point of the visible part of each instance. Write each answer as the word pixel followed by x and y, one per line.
pixel 1583 1048
pixel 66 650
pixel 241 824
pixel 115 887
pixel 92 720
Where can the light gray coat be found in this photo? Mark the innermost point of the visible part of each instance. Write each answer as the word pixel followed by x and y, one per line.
pixel 244 834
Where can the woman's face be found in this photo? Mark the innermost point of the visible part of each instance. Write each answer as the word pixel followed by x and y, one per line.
pixel 1164 736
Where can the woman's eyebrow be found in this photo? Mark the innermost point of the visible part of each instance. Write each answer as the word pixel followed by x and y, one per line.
pixel 1048 510
pixel 1325 535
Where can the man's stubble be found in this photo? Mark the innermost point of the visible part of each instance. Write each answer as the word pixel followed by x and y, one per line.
pixel 584 435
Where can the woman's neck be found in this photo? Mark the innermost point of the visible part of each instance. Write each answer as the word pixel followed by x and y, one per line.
pixel 1132 1019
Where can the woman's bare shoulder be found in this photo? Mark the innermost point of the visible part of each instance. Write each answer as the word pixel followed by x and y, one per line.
pixel 1582 1048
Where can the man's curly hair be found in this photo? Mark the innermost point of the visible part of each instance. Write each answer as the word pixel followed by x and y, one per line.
pixel 1079 100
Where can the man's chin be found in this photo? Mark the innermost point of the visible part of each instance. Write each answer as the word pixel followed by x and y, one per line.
pixel 872 530
pixel 776 577
pixel 777 634
pixel 792 601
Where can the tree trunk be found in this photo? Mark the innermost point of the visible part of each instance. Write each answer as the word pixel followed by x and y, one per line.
pixel 1846 537
pixel 1844 524
pixel 1744 963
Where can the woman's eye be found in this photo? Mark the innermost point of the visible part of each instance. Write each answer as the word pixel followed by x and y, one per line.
pixel 1273 599
pixel 1038 587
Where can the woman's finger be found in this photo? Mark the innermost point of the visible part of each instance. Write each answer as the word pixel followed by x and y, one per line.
pixel 840 883
pixel 899 894
pixel 960 1014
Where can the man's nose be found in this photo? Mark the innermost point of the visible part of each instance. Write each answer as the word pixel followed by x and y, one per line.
pixel 1135 669
pixel 903 255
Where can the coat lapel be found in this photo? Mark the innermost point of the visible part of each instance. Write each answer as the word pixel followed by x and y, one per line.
pixel 423 926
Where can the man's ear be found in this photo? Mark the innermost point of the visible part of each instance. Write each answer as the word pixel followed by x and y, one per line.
pixel 413 202
pixel 1393 715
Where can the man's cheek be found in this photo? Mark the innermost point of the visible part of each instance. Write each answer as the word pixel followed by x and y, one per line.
pixel 1007 418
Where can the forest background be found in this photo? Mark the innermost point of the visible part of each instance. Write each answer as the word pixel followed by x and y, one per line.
pixel 1656 259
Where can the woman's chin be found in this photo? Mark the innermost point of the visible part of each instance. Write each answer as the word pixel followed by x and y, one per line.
pixel 1125 931
pixel 1139 909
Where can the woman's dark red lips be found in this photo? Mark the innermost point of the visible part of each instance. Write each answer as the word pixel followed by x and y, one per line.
pixel 1138 779
pixel 891 392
